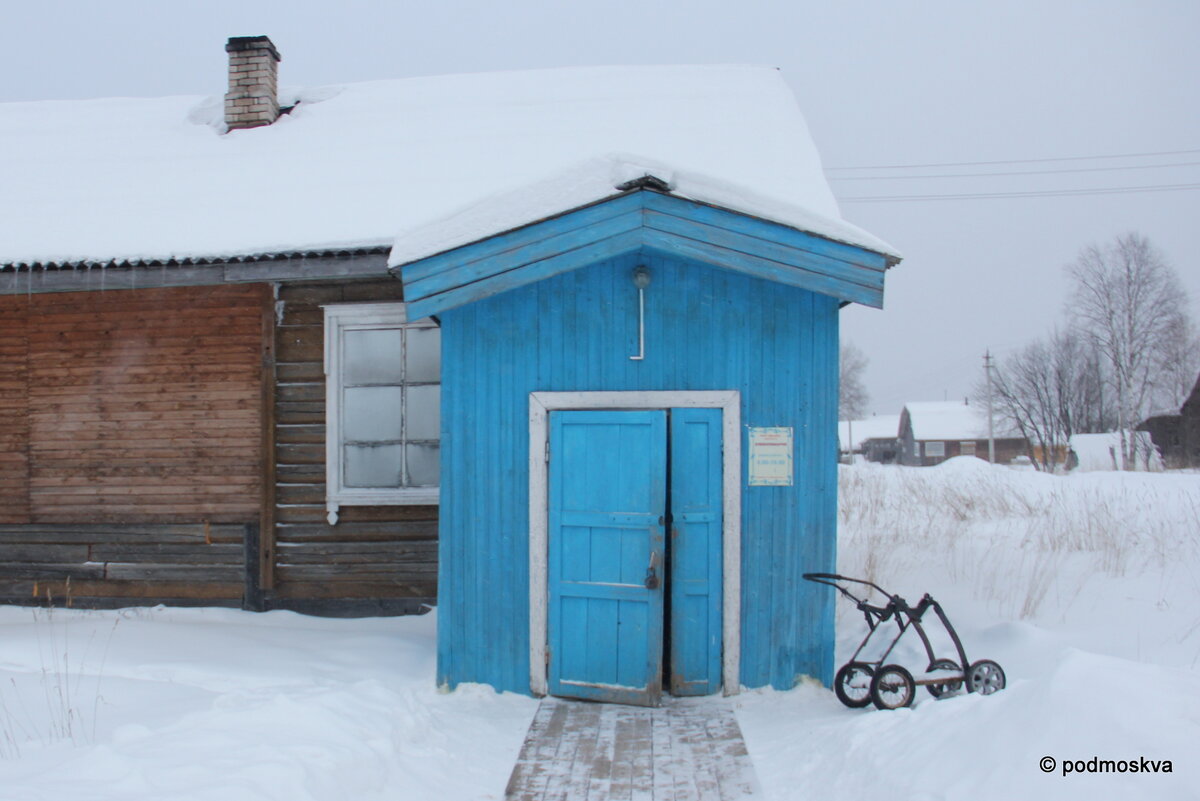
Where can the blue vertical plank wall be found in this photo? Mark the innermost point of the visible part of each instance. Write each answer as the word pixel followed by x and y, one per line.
pixel 706 329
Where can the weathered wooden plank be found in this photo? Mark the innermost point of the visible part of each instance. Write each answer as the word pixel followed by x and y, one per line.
pixel 381 572
pixel 355 588
pixel 349 514
pixel 137 571
pixel 228 441
pixel 50 570
pixel 396 557
pixel 300 372
pixel 124 420
pixel 141 590
pixel 139 516
pixel 300 473
pixel 301 392
pixel 582 751
pixel 304 453
pixel 53 455
pixel 314 294
pixel 388 288
pixel 300 434
pixel 74 473
pixel 43 553
pixel 169 553
pixel 300 493
pixel 89 533
pixel 51 325
pixel 146 402
pixel 299 413
pixel 415 529
pixel 299 348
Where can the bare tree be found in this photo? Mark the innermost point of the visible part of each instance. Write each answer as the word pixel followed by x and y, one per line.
pixel 1130 304
pixel 1180 368
pixel 1029 392
pixel 852 392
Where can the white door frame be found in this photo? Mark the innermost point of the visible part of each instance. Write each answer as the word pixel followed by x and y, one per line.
pixel 729 402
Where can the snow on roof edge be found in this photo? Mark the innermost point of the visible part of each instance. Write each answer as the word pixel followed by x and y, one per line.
pixel 594 180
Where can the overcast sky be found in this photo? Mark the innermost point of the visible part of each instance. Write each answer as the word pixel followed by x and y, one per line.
pixel 882 84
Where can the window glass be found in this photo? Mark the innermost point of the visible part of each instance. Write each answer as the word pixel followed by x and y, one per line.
pixel 935 449
pixel 423 355
pixel 423 412
pixel 372 414
pixel 422 465
pixel 372 356
pixel 373 465
pixel 382 406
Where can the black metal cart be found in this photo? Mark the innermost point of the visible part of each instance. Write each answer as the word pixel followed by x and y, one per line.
pixel 892 686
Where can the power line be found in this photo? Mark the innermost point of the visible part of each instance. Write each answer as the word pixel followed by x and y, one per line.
pixel 1005 174
pixel 1015 161
pixel 1112 190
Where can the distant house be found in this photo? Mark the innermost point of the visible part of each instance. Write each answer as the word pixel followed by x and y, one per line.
pixel 438 340
pixel 1176 435
pixel 1097 452
pixel 875 438
pixel 934 431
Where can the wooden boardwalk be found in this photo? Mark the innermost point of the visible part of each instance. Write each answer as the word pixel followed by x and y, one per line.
pixel 685 750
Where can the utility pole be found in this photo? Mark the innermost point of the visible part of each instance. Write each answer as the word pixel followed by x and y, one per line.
pixel 987 369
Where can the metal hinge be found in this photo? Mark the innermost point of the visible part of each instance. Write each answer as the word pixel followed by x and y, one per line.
pixel 547 654
pixel 547 452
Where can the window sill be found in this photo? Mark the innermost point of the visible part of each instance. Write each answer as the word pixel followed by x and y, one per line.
pixel 425 496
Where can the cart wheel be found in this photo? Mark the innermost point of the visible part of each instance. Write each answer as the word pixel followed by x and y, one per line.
pixel 852 685
pixel 947 687
pixel 985 677
pixel 893 687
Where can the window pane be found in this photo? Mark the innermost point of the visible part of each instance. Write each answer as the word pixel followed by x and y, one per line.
pixel 371 414
pixel 372 357
pixel 423 357
pixel 422 465
pixel 372 465
pixel 424 412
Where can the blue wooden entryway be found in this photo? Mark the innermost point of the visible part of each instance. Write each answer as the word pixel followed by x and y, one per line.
pixel 619 482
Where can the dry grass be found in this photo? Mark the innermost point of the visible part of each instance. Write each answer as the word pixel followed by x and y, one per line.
pixel 1017 538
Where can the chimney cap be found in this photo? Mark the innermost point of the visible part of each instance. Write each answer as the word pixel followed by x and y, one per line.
pixel 239 43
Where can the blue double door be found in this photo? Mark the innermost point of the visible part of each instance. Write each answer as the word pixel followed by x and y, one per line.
pixel 635 557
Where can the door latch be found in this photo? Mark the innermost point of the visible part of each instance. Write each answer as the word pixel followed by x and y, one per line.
pixel 651 572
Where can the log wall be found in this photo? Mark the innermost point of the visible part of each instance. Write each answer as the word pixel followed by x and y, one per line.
pixel 376 559
pixel 131 453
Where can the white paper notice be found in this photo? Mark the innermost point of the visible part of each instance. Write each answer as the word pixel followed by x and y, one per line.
pixel 770 457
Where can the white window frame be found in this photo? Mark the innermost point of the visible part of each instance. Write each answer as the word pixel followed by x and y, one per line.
pixel 340 317
pixel 935 449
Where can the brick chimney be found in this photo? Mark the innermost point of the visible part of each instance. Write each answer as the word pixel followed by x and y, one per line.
pixel 253 96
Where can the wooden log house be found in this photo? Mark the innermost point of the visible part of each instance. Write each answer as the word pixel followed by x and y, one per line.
pixel 370 348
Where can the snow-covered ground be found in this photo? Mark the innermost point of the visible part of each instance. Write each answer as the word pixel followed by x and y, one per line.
pixel 1085 588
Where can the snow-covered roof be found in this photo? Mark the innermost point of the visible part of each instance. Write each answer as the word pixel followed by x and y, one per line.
pixel 880 426
pixel 1102 451
pixel 948 420
pixel 124 179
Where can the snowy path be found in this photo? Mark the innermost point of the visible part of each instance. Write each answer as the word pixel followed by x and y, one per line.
pixel 685 750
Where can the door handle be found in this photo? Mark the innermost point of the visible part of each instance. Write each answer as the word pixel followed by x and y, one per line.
pixel 652 571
